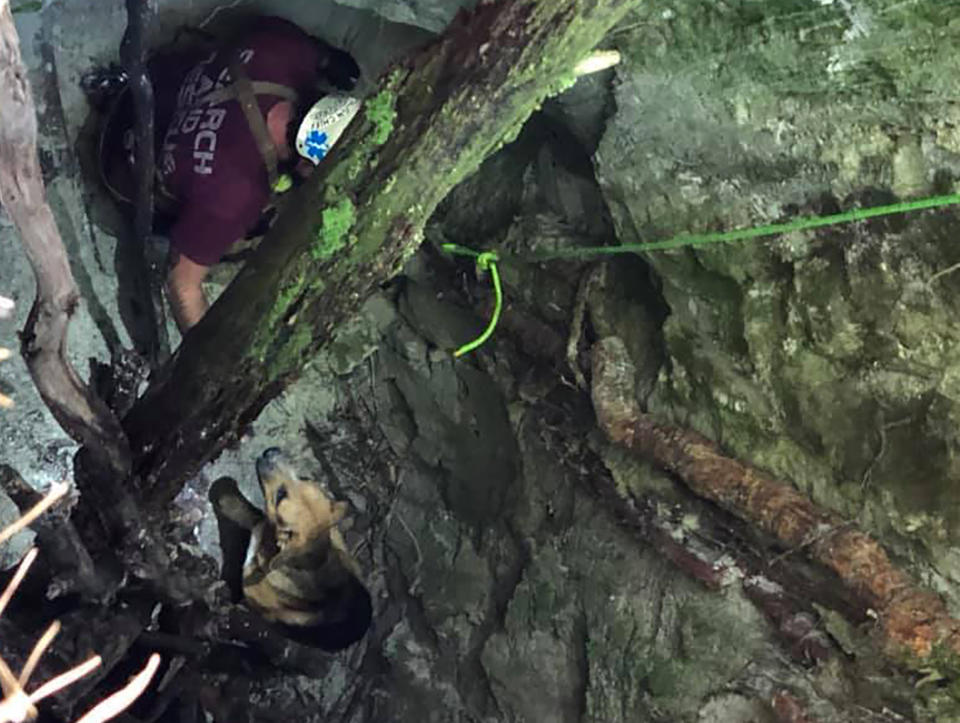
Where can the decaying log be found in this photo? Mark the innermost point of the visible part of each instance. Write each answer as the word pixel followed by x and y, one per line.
pixel 788 708
pixel 642 520
pixel 133 53
pixel 44 339
pixel 913 620
pixel 716 567
pixel 349 228
pixel 806 641
pixel 718 552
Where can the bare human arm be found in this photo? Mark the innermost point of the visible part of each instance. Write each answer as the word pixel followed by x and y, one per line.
pixel 184 290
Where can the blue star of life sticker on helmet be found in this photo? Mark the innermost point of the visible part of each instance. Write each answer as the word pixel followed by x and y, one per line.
pixel 317 144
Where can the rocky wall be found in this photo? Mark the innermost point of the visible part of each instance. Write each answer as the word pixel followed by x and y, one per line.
pixel 505 588
pixel 826 356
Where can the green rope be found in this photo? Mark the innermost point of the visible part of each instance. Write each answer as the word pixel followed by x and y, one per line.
pixel 488 259
pixel 458 250
pixel 857 214
pixel 485 261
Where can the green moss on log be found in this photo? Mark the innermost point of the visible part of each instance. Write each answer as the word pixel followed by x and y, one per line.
pixel 434 119
pixel 381 114
pixel 336 222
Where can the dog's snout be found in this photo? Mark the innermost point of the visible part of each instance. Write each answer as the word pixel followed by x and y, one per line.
pixel 269 461
pixel 271 454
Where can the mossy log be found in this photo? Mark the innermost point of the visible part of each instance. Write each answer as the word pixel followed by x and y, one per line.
pixel 351 226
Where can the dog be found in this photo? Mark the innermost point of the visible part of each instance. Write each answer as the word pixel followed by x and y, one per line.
pixel 297 574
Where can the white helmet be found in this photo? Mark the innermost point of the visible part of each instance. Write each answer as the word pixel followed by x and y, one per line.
pixel 323 124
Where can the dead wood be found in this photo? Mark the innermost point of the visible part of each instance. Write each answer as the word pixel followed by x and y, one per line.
pixel 44 339
pixel 133 54
pixel 63 549
pixel 137 539
pixel 718 552
pixel 102 468
pixel 913 620
pixel 788 708
pixel 107 632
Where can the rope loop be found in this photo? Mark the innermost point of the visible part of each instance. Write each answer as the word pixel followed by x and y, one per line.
pixel 487 260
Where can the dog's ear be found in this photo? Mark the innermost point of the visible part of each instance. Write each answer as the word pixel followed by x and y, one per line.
pixel 223 487
pixel 228 502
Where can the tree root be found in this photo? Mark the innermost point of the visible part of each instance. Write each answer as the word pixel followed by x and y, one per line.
pixel 913 620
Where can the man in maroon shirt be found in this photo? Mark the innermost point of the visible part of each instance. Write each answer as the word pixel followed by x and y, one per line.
pixel 215 166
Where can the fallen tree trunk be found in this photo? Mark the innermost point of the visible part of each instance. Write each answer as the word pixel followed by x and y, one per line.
pixel 351 226
pixel 914 621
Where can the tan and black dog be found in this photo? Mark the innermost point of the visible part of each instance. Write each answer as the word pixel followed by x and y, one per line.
pixel 297 573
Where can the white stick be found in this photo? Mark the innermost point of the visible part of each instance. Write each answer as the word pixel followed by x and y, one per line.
pixel 595 62
pixel 118 702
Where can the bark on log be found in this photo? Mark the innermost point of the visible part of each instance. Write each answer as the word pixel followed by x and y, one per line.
pixel 913 620
pixel 351 226
pixel 133 53
pixel 44 339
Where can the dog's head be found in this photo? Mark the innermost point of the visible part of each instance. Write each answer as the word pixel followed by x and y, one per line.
pixel 299 509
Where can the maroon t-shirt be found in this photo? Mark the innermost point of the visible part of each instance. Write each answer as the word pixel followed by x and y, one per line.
pixel 208 158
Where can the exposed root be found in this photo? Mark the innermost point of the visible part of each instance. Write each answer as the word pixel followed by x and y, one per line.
pixel 913 619
pixel 588 281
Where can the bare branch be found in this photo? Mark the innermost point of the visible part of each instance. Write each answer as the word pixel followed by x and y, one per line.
pixel 133 53
pixel 62 546
pixel 65 680
pixel 44 339
pixel 16 704
pixel 38 650
pixel 57 490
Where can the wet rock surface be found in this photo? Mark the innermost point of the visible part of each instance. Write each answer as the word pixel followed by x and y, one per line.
pixel 825 356
pixel 505 588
